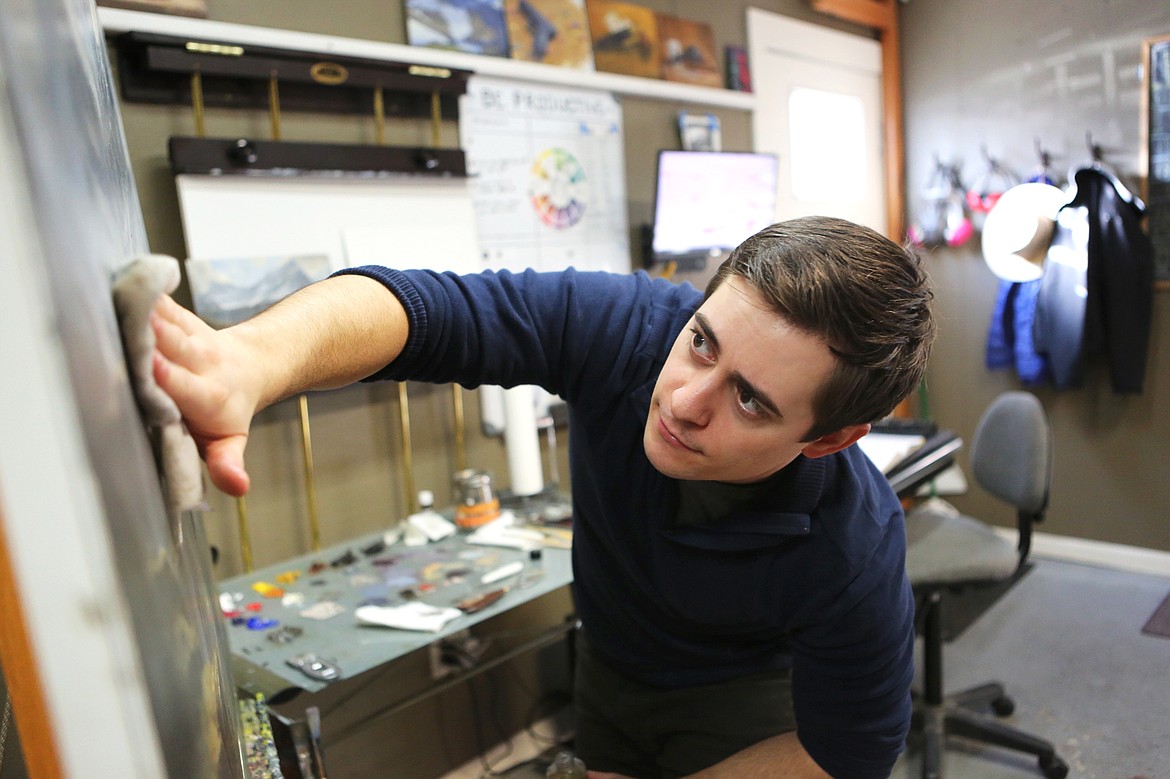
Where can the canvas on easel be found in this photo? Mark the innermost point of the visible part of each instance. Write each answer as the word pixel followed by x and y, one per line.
pixel 111 626
pixel 555 32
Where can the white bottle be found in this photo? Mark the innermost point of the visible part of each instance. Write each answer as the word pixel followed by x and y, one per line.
pixel 427 521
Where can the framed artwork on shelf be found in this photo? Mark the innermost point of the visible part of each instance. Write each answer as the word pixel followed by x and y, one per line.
pixel 472 26
pixel 555 32
pixel 687 51
pixel 625 38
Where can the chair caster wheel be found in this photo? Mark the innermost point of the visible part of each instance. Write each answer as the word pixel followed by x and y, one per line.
pixel 1053 767
pixel 1003 706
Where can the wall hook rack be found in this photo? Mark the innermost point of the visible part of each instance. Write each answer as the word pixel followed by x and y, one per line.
pixel 164 69
pixel 158 69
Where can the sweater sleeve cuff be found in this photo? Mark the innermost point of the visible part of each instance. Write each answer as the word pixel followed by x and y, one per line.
pixel 403 288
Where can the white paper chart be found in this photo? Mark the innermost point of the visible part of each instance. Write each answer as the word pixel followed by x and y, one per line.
pixel 547 176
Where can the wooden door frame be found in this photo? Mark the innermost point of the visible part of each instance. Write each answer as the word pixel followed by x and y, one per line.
pixel 30 706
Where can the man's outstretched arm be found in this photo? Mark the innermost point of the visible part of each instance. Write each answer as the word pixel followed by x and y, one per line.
pixel 327 335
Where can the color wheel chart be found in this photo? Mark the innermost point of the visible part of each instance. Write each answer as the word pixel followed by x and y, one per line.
pixel 547 176
pixel 559 188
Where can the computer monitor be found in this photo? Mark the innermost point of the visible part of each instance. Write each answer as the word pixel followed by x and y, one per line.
pixel 707 203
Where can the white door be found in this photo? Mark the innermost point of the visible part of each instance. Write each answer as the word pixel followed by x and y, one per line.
pixel 819 108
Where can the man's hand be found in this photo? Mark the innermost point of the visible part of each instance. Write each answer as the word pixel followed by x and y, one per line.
pixel 327 335
pixel 206 373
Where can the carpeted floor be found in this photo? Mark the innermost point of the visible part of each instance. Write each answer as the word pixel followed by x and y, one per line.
pixel 1067 642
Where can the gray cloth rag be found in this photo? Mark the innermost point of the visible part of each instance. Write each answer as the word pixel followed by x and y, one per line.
pixel 136 289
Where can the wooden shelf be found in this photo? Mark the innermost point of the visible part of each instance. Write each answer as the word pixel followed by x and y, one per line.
pixel 114 21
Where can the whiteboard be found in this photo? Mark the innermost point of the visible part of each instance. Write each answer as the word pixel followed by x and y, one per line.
pixel 115 595
pixel 401 222
pixel 547 167
pixel 253 240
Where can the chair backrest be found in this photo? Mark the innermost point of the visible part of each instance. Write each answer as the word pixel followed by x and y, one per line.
pixel 1011 454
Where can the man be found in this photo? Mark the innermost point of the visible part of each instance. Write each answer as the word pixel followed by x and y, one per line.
pixel 738 564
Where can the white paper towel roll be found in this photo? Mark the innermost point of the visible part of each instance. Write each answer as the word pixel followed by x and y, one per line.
pixel 522 441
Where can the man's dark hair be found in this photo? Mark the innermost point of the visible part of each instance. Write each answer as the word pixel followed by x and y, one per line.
pixel 865 296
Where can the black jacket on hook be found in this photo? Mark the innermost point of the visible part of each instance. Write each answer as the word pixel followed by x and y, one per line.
pixel 1119 286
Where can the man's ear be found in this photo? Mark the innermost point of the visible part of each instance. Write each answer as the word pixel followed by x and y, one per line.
pixel 836 441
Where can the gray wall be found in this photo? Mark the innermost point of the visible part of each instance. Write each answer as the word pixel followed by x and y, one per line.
pixel 1001 74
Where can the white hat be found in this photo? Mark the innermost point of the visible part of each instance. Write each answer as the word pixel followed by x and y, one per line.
pixel 1019 229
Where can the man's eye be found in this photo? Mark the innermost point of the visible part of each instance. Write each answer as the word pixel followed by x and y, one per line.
pixel 699 343
pixel 747 401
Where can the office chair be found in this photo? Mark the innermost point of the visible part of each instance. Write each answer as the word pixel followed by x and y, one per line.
pixel 1011 457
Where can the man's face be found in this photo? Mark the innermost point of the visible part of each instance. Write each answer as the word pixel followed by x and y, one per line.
pixel 735 395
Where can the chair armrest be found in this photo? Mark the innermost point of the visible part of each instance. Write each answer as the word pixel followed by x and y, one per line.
pixel 924 463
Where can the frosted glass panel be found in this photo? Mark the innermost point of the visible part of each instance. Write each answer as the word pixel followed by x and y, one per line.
pixel 827 145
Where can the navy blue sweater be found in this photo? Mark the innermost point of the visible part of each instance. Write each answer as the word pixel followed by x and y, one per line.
pixel 810 578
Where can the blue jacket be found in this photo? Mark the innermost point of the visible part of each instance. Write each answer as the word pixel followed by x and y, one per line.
pixel 1010 340
pixel 812 578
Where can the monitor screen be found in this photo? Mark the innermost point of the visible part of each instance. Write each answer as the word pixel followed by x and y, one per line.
pixel 711 201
